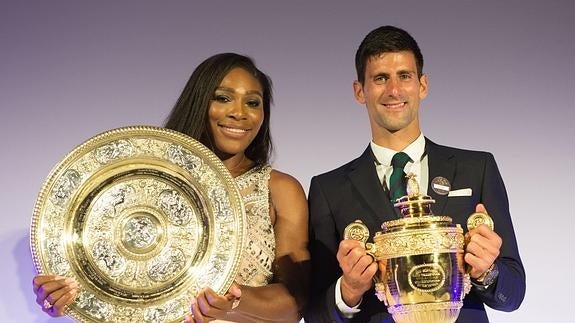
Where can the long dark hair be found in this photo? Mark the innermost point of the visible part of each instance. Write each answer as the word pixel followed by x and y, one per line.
pixel 190 113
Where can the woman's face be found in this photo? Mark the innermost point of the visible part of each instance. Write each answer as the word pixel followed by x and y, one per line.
pixel 236 112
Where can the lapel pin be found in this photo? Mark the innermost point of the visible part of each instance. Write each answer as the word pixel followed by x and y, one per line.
pixel 440 185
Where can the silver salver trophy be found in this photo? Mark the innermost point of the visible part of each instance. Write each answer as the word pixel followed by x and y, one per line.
pixel 142 218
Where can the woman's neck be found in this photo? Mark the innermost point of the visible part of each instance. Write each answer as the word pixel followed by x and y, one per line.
pixel 237 164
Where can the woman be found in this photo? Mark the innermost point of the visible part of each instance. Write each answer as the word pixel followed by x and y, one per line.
pixel 226 106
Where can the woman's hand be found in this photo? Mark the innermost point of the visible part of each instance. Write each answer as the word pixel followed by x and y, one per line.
pixel 208 305
pixel 54 293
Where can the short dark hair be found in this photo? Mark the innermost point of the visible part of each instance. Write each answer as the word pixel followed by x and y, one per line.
pixel 386 39
pixel 190 113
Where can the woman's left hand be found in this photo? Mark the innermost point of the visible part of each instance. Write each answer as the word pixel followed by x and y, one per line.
pixel 208 305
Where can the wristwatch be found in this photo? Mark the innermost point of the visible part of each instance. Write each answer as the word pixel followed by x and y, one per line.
pixel 488 277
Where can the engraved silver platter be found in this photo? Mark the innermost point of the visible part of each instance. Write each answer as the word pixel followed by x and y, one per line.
pixel 143 218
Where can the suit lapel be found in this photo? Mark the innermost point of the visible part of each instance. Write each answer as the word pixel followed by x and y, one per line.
pixel 364 178
pixel 441 163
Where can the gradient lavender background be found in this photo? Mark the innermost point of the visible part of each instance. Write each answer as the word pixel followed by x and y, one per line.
pixel 501 75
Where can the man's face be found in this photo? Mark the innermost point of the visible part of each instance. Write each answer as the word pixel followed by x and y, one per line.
pixel 392 92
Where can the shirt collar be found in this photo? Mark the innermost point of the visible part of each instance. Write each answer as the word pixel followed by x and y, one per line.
pixel 414 150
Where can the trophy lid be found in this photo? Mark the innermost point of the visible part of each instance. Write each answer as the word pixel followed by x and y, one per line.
pixel 415 209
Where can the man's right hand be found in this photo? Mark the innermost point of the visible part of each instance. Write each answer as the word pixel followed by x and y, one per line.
pixel 358 270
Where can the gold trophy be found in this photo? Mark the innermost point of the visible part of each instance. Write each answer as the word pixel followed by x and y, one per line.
pixel 142 218
pixel 422 275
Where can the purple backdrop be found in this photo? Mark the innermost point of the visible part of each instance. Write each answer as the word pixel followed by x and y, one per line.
pixel 500 76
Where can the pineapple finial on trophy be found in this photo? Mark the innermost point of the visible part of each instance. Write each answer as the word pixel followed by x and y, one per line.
pixel 414 204
pixel 412 185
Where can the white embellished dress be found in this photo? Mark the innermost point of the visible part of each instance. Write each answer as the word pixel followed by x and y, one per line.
pixel 259 253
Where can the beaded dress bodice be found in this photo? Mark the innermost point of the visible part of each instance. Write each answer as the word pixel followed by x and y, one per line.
pixel 259 253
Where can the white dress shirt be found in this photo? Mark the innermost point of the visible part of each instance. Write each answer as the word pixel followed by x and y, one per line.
pixel 417 165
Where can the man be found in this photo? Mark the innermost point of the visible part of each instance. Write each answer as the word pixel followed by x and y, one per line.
pixel 391 84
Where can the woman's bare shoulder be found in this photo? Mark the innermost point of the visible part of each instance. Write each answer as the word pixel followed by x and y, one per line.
pixel 283 180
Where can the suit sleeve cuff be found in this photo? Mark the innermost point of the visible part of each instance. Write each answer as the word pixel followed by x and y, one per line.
pixel 345 310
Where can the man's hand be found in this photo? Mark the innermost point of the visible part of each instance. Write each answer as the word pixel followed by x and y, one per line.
pixel 358 269
pixel 483 246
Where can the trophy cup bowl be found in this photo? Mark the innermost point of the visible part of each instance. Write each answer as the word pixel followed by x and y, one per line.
pixel 422 275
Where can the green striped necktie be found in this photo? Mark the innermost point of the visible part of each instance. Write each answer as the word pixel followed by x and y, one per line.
pixel 397 181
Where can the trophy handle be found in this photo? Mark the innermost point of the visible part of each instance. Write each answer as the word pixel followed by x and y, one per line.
pixel 477 218
pixel 360 232
pixel 356 231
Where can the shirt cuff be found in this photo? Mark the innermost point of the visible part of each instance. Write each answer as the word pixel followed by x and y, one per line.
pixel 345 310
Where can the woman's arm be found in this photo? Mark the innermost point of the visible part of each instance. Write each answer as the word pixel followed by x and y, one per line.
pixel 286 297
pixel 282 300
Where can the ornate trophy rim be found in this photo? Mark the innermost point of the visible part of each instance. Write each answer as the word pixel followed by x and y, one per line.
pixel 143 218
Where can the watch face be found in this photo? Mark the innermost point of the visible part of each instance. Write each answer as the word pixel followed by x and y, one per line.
pixel 491 276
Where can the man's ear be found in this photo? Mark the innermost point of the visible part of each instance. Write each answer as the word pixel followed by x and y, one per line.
pixel 423 86
pixel 358 92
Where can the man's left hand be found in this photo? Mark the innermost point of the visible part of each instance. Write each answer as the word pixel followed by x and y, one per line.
pixel 483 246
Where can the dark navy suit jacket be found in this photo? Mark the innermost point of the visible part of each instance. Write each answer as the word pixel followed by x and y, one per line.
pixel 353 191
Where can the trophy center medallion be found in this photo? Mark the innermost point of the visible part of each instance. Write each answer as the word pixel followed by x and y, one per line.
pixel 140 233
